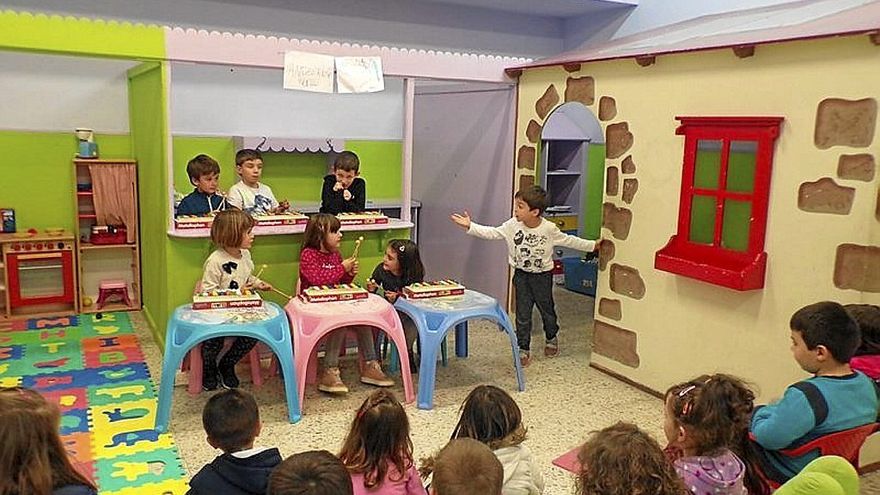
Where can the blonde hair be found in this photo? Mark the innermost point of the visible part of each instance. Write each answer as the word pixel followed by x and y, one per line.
pixel 230 227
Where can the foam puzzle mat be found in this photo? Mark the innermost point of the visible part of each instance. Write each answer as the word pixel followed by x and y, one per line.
pixel 94 369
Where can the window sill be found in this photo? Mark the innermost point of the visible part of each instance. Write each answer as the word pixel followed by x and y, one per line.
pixel 739 271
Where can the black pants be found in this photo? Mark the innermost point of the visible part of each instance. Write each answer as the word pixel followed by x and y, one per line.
pixel 212 347
pixel 531 289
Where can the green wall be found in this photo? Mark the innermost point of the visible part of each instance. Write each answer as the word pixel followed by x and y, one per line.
pixel 37 175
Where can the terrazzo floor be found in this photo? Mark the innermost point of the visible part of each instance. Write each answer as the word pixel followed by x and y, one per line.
pixel 564 400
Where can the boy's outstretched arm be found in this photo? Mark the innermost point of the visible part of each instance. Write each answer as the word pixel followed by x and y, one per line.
pixel 463 220
pixel 566 240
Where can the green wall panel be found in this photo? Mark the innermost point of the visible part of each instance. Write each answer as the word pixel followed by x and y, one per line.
pixel 185 148
pixel 380 167
pixel 592 214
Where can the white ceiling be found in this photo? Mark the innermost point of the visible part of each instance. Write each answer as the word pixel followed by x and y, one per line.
pixel 548 8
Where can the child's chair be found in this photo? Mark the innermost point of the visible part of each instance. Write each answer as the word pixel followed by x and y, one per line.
pixel 846 444
pixel 826 475
pixel 112 288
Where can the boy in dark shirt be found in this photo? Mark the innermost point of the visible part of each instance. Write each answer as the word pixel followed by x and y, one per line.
pixel 204 173
pixel 232 421
pixel 343 190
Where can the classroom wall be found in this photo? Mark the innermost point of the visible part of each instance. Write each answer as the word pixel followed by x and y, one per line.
pixel 686 327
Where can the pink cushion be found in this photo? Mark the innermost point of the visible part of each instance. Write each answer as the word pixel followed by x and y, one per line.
pixel 113 284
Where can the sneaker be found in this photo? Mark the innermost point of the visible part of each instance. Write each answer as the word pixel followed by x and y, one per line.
pixel 331 383
pixel 373 375
pixel 551 348
pixel 209 382
pixel 524 358
pixel 228 379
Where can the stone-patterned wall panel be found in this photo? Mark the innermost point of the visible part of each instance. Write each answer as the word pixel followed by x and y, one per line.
pixel 580 89
pixel 618 140
pixel 610 308
pixel 526 181
pixel 533 131
pixel 877 206
pixel 825 196
pixel 842 122
pixel 630 188
pixel 607 108
pixel 626 281
pixel 617 220
pixel 612 181
pixel 628 166
pixel 857 267
pixel 525 158
pixel 856 167
pixel 616 343
pixel 606 253
pixel 547 101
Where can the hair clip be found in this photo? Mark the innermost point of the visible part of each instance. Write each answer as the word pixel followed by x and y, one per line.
pixel 401 248
pixel 685 390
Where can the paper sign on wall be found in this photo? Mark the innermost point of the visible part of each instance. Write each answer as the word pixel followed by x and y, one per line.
pixel 308 72
pixel 359 74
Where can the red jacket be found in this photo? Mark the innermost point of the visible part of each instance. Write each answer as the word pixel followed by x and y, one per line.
pixel 318 268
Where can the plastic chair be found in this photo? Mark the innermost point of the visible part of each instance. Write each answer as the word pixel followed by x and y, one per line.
pixel 187 328
pixel 846 444
pixel 436 316
pixel 310 322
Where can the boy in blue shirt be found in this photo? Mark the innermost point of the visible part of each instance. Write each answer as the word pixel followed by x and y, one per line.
pixel 204 172
pixel 823 339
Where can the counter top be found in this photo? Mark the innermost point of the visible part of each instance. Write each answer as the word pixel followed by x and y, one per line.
pixel 40 237
pixel 393 224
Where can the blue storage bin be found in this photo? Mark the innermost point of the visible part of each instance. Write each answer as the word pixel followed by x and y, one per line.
pixel 581 274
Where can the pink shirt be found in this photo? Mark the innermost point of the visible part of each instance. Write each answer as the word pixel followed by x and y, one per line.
pixel 411 484
pixel 867 364
pixel 318 268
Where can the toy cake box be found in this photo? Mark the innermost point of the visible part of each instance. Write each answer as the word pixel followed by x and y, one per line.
pixel 330 293
pixel 436 288
pixel 188 222
pixel 226 298
pixel 289 218
pixel 363 218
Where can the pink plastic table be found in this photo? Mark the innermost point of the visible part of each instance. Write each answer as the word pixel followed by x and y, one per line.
pixel 309 322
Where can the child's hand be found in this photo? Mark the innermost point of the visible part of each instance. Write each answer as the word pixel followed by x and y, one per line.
pixel 283 206
pixel 391 296
pixel 372 286
pixel 262 285
pixel 350 265
pixel 346 194
pixel 463 220
pixel 338 186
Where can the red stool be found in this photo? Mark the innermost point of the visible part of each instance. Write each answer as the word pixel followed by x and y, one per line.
pixel 112 288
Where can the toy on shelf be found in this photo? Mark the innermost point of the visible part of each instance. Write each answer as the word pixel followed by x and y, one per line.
pixel 188 222
pixel 226 298
pixel 363 218
pixel 330 293
pixel 435 288
pixel 108 234
pixel 7 220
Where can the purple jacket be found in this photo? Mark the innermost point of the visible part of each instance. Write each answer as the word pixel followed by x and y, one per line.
pixel 718 475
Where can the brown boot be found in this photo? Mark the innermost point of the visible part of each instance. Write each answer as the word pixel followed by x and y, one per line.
pixel 373 375
pixel 330 382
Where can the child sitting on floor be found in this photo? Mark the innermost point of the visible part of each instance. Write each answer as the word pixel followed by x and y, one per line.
pixel 316 472
pixel 465 467
pixel 867 357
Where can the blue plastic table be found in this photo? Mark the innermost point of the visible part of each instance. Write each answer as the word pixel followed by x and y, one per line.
pixel 187 328
pixel 434 317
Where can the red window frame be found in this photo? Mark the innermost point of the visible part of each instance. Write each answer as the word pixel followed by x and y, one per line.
pixel 740 270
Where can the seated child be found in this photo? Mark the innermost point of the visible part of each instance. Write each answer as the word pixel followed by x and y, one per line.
pixel 867 357
pixel 343 190
pixel 249 194
pixel 316 472
pixel 706 420
pixel 490 415
pixel 530 241
pixel 378 449
pixel 400 267
pixel 623 460
pixel 33 459
pixel 204 172
pixel 466 467
pixel 823 340
pixel 321 264
pixel 228 267
pixel 232 421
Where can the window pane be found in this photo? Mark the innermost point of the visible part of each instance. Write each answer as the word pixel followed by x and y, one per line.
pixel 735 229
pixel 741 166
pixel 708 164
pixel 703 219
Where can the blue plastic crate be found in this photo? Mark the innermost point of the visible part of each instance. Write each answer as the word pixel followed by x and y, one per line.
pixel 581 274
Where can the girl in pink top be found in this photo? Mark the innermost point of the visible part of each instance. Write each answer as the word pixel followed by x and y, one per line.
pixel 321 264
pixel 378 451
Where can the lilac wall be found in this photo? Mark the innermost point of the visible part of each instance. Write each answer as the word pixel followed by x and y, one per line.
pixel 463 159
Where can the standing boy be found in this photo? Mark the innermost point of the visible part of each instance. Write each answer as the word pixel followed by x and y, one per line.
pixel 823 339
pixel 249 194
pixel 530 241
pixel 343 190
pixel 204 172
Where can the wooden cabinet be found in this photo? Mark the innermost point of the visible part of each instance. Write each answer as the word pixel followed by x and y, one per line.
pixel 108 240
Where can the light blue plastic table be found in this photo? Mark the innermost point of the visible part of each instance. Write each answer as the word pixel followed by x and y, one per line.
pixel 434 317
pixel 187 328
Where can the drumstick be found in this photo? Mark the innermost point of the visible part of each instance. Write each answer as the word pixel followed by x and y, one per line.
pixel 262 267
pixel 283 294
pixel 357 246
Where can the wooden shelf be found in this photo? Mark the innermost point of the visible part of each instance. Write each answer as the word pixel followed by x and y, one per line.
pixel 85 246
pixel 111 307
pixel 103 161
pixel 84 217
pixel 85 193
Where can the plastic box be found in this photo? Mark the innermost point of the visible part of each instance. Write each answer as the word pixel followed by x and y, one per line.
pixel 581 274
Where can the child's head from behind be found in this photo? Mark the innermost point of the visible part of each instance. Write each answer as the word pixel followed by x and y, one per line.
pixel 623 460
pixel 402 257
pixel 203 172
pixel 316 472
pixel 467 467
pixel 249 166
pixel 322 233
pixel 867 316
pixel 33 459
pixel 232 420
pixel 379 437
pixel 346 167
pixel 823 335
pixel 708 414
pixel 232 229
pixel 490 415
pixel 529 202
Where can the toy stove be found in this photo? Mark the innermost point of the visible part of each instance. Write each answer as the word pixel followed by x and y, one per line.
pixel 40 271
